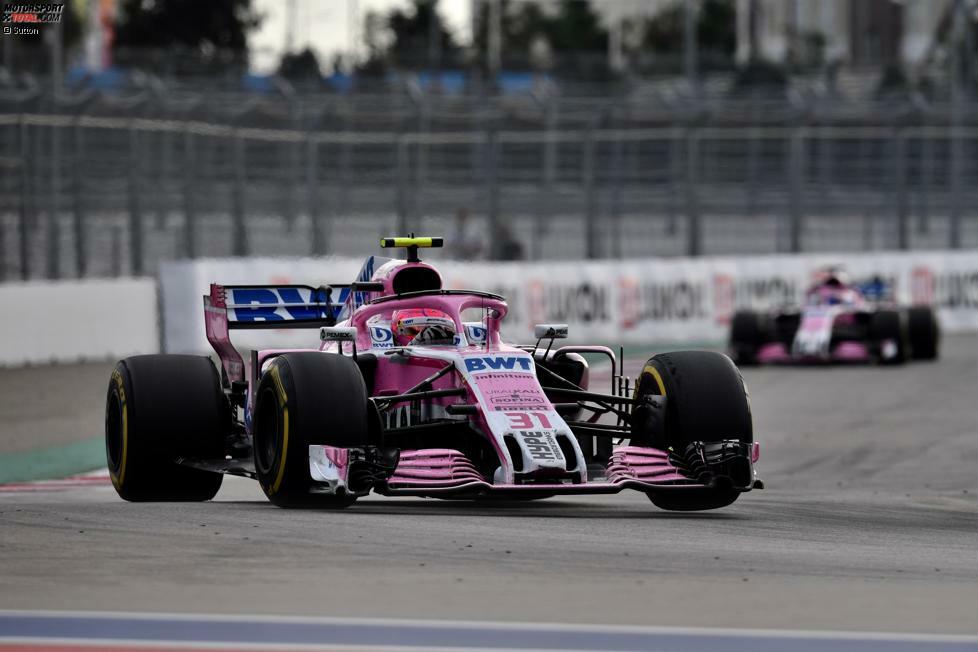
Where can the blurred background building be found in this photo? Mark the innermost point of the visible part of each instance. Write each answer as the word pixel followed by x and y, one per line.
pixel 143 130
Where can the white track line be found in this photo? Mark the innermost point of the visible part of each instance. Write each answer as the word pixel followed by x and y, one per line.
pixel 285 632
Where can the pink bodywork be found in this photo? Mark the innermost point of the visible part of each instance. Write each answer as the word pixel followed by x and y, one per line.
pixel 819 320
pixel 437 471
pixel 850 352
pixel 777 353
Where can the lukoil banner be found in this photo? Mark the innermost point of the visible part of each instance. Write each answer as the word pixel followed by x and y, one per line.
pixel 671 300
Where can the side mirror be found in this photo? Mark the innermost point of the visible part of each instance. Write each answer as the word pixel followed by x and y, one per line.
pixel 550 331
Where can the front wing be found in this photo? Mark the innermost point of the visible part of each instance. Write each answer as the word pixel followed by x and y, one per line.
pixel 703 466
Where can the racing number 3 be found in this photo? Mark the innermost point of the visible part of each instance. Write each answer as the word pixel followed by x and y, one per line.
pixel 525 420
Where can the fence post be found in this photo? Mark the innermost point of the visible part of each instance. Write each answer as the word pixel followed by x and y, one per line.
pixel 424 128
pixel 54 203
pixel 318 238
pixel 341 202
pixel 753 143
pixel 115 249
pixel 492 187
pixel 545 208
pixel 26 193
pixel 402 189
pixel 239 243
pixel 695 244
pixel 189 194
pixel 900 189
pixel 135 208
pixel 675 174
pixel 294 155
pixel 591 244
pixel 797 181
pixel 617 185
pixel 955 194
pixel 924 181
pixel 78 210
pixel 826 156
pixel 956 164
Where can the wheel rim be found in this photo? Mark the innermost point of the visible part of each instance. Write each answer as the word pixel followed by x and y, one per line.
pixel 113 430
pixel 267 431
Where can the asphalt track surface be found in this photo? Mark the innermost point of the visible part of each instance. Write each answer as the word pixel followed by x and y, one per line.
pixel 869 524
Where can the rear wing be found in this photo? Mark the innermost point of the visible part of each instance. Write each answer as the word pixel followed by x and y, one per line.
pixel 276 306
pixel 229 307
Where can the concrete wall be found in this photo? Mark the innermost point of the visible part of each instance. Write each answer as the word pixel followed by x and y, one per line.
pixel 68 321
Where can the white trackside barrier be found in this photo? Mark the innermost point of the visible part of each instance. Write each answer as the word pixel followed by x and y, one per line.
pixel 631 301
pixel 70 321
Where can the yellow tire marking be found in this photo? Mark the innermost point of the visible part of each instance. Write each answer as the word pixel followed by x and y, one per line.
pixel 658 380
pixel 652 371
pixel 125 443
pixel 283 398
pixel 285 449
pixel 278 385
pixel 118 480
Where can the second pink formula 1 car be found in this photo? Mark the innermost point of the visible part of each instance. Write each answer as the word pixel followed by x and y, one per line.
pixel 411 391
pixel 839 322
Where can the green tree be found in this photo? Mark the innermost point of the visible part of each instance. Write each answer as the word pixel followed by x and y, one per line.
pixel 410 38
pixel 716 28
pixel 204 26
pixel 302 67
pixel 573 28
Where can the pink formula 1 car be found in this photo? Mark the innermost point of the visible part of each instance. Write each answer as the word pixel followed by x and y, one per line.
pixel 840 322
pixel 412 392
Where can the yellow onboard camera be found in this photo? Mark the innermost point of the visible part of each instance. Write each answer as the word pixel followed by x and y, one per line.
pixel 411 244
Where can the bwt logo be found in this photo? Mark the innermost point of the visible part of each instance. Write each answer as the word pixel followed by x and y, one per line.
pixel 475 333
pixel 498 363
pixel 380 335
pixel 266 303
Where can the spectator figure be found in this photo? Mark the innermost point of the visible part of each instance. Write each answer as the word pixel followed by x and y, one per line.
pixel 467 243
pixel 507 246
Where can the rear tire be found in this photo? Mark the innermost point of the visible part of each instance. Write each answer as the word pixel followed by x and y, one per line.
pixel 304 399
pixel 924 333
pixel 160 408
pixel 706 401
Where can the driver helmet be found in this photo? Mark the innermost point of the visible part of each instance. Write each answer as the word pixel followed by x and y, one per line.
pixel 832 276
pixel 831 287
pixel 422 326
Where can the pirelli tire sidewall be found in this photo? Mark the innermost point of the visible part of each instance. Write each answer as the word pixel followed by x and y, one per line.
pixel 706 401
pixel 160 408
pixel 304 399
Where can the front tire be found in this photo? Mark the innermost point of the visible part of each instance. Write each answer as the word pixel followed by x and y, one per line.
pixel 159 408
pixel 888 328
pixel 705 401
pixel 747 335
pixel 305 399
